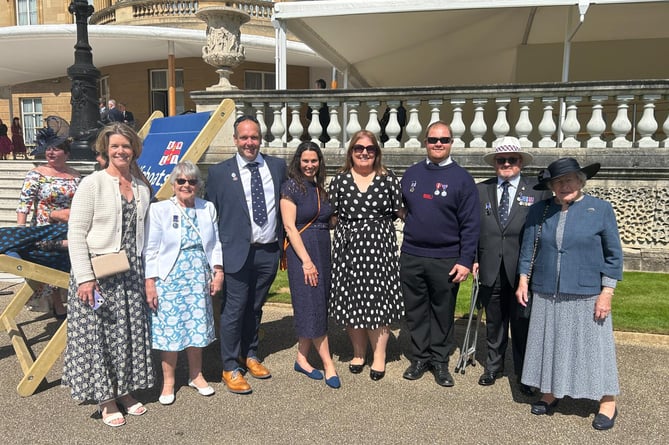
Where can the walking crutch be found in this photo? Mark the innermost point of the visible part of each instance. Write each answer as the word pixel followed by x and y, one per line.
pixel 468 351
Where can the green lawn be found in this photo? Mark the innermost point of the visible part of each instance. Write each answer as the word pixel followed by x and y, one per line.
pixel 641 303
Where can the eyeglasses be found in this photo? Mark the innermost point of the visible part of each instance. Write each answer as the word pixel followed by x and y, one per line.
pixel 360 148
pixel 182 181
pixel 502 161
pixel 443 140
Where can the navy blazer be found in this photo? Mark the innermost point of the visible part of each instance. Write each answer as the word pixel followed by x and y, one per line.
pixel 497 243
pixel 590 248
pixel 225 190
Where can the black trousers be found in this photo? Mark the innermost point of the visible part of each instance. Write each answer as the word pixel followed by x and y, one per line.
pixel 429 304
pixel 502 310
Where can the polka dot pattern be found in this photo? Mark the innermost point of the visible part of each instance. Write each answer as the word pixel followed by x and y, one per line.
pixel 257 195
pixel 366 290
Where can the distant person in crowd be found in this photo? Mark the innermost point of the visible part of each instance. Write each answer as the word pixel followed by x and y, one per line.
pixel 505 201
pixel 104 111
pixel 401 121
pixel 108 353
pixel 5 142
pixel 570 262
pixel 183 264
pixel 441 231
pixel 47 193
pixel 128 117
pixel 245 190
pixel 113 112
pixel 17 138
pixel 323 113
pixel 366 295
pixel 306 211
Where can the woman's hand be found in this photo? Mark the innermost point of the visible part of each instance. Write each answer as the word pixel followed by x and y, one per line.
pixel 151 293
pixel 521 292
pixel 216 282
pixel 85 292
pixel 603 303
pixel 310 274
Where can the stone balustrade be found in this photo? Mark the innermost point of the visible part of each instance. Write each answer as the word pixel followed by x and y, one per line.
pixel 593 115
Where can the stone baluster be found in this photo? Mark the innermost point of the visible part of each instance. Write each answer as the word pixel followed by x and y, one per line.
pixel 647 125
pixel 622 125
pixel 277 129
pixel 478 127
pixel 315 130
pixel 413 128
pixel 334 127
pixel 295 129
pixel 260 117
pixel 570 126
pixel 435 110
pixel 457 124
pixel 501 126
pixel 373 122
pixel 393 127
pixel 524 125
pixel 547 125
pixel 596 125
pixel 239 109
pixel 353 124
pixel 665 128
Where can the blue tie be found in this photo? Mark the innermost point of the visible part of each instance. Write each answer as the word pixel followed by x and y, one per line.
pixel 503 208
pixel 257 195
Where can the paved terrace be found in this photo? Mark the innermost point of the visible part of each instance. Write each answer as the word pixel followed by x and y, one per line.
pixel 289 408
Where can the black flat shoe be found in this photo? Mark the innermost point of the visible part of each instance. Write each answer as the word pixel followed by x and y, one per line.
pixel 526 390
pixel 488 378
pixel 416 370
pixel 376 375
pixel 603 423
pixel 540 407
pixel 442 376
pixel 356 369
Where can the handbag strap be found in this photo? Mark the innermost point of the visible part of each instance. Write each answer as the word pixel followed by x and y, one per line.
pixel 286 243
pixel 536 241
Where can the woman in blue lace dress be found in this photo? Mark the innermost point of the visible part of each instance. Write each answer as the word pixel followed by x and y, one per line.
pixel 305 211
pixel 184 269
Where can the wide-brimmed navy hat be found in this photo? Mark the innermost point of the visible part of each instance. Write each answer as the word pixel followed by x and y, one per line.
pixel 564 166
pixel 56 130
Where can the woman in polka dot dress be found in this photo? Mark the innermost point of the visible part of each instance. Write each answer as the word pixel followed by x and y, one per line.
pixel 366 292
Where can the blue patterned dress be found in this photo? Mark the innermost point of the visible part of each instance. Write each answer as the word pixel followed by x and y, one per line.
pixel 185 316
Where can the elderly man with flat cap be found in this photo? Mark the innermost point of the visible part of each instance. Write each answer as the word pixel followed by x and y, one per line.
pixel 504 202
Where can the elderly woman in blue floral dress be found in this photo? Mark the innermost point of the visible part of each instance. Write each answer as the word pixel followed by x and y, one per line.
pixel 183 269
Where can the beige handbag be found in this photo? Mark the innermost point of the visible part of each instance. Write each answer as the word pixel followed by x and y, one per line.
pixel 110 264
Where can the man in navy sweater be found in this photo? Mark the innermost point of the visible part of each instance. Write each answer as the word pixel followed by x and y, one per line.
pixel 441 231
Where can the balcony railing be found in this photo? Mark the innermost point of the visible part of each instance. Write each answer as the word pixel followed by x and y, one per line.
pixel 172 12
pixel 593 115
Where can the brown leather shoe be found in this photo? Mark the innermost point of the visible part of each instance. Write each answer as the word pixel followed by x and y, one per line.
pixel 256 369
pixel 236 382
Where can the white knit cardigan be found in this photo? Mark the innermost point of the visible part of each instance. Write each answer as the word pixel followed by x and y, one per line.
pixel 96 220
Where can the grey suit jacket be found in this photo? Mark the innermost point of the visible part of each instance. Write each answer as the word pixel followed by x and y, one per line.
pixel 225 190
pixel 497 243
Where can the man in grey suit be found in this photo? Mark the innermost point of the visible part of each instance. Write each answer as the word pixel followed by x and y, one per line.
pixel 504 201
pixel 245 190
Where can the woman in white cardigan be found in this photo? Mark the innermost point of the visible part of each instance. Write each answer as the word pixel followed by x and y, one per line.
pixel 184 269
pixel 108 351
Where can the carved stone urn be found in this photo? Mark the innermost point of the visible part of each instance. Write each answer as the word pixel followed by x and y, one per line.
pixel 224 50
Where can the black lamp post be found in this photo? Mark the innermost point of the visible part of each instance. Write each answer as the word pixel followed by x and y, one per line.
pixel 84 76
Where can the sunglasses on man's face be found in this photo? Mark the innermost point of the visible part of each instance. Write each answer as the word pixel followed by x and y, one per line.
pixel 502 161
pixel 443 140
pixel 357 149
pixel 182 181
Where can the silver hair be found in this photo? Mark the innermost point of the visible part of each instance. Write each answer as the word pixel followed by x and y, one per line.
pixel 579 174
pixel 186 169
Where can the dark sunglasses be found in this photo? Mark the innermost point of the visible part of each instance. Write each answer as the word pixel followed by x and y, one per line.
pixel 502 161
pixel 443 140
pixel 360 148
pixel 182 181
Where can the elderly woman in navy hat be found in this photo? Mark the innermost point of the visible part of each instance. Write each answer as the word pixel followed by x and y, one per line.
pixel 571 259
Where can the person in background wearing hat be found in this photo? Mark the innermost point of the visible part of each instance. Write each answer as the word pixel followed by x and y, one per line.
pixel 572 254
pixel 47 192
pixel 504 202
pixel 441 231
